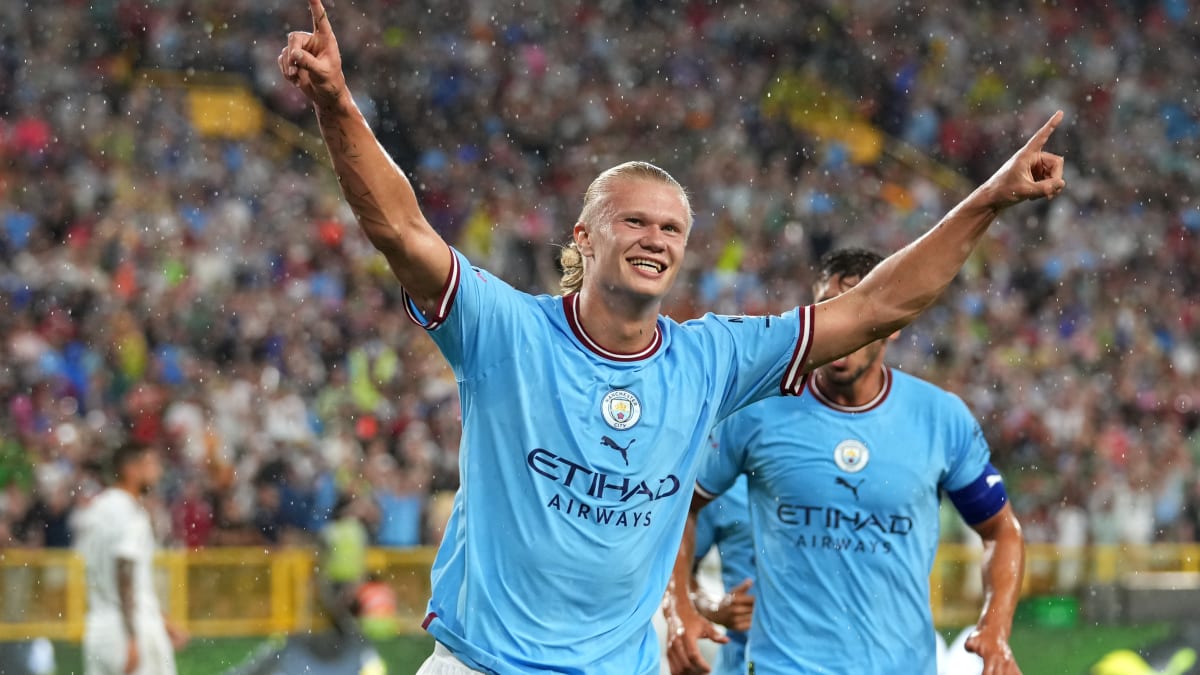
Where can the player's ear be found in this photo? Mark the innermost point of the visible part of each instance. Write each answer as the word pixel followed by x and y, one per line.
pixel 583 239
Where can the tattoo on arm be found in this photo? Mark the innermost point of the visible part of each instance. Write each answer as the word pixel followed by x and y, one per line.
pixel 125 593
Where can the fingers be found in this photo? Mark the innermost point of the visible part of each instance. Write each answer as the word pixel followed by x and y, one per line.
pixel 320 18
pixel 1039 139
pixel 297 43
pixel 972 643
pixel 684 657
pixel 1048 175
pixel 301 59
pixel 740 622
pixel 1050 167
pixel 715 635
pixel 683 649
pixel 694 659
pixel 742 587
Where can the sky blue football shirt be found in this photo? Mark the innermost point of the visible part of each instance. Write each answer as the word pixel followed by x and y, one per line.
pixel 577 466
pixel 844 507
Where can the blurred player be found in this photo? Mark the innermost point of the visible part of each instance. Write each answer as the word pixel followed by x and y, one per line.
pixel 584 416
pixel 725 524
pixel 342 562
pixel 125 631
pixel 844 489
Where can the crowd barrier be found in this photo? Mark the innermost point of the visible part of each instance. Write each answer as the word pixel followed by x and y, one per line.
pixel 223 592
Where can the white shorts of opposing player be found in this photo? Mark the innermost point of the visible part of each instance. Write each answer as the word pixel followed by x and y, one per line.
pixel 104 646
pixel 955 659
pixel 442 662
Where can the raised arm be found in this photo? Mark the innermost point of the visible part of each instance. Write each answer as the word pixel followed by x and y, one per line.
pixel 1003 570
pixel 377 190
pixel 685 625
pixel 908 281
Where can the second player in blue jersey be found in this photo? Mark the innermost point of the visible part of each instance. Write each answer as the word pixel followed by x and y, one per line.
pixel 844 490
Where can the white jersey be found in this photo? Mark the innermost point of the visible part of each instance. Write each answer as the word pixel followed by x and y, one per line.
pixel 114 525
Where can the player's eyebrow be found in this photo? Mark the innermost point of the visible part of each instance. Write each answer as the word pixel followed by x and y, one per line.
pixel 642 215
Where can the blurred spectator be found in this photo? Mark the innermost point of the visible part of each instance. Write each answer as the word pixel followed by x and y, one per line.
pixel 212 295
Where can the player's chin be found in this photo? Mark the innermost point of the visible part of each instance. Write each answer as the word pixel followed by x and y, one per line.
pixel 650 296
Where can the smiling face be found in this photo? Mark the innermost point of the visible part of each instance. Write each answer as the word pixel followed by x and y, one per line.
pixel 635 245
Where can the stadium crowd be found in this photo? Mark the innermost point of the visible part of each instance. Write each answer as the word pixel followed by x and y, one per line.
pixel 213 296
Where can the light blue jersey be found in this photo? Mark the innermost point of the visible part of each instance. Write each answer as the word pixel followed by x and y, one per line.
pixel 725 523
pixel 844 504
pixel 576 467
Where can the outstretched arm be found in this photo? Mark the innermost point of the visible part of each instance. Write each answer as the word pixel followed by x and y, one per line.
pixel 685 625
pixel 908 281
pixel 1003 569
pixel 377 190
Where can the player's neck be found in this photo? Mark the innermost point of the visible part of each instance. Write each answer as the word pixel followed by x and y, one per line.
pixel 130 490
pixel 853 394
pixel 620 327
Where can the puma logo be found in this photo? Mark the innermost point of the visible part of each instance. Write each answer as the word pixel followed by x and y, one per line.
pixel 608 442
pixel 846 484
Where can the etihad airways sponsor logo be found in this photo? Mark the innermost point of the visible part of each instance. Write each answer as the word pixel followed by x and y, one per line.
pixel 833 518
pixel 598 497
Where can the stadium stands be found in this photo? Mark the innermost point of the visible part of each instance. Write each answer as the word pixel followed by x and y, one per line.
pixel 168 271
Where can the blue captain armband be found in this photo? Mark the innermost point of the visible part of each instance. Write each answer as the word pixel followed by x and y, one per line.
pixel 983 498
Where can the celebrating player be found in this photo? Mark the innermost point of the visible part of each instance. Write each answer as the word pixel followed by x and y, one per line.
pixel 844 487
pixel 125 631
pixel 584 416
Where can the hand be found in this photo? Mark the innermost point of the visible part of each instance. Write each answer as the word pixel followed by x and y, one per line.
pixel 1030 174
pixel 992 647
pixel 312 61
pixel 734 610
pixel 132 658
pixel 685 628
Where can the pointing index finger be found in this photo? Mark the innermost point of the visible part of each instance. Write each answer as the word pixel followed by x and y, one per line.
pixel 320 17
pixel 1037 140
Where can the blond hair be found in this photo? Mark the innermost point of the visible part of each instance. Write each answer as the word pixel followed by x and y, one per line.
pixel 594 212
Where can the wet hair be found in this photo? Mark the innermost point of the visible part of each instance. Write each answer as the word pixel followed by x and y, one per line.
pixel 126 454
pixel 847 262
pixel 594 212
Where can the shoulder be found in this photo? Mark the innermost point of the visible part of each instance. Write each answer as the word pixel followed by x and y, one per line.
pixel 734 322
pixel 914 388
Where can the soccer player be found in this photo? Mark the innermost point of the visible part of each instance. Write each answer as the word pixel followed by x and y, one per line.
pixel 725 524
pixel 125 631
pixel 844 488
pixel 585 415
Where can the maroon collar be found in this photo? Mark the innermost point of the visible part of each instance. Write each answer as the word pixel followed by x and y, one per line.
pixel 571 309
pixel 869 405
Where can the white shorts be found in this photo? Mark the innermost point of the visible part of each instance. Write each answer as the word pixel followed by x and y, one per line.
pixel 104 647
pixel 442 662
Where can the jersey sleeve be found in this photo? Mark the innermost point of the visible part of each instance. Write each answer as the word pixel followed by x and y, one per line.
pixel 477 318
pixel 725 461
pixel 968 453
pixel 760 356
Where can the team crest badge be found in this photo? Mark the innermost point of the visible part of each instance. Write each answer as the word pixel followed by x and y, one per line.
pixel 851 456
pixel 621 409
